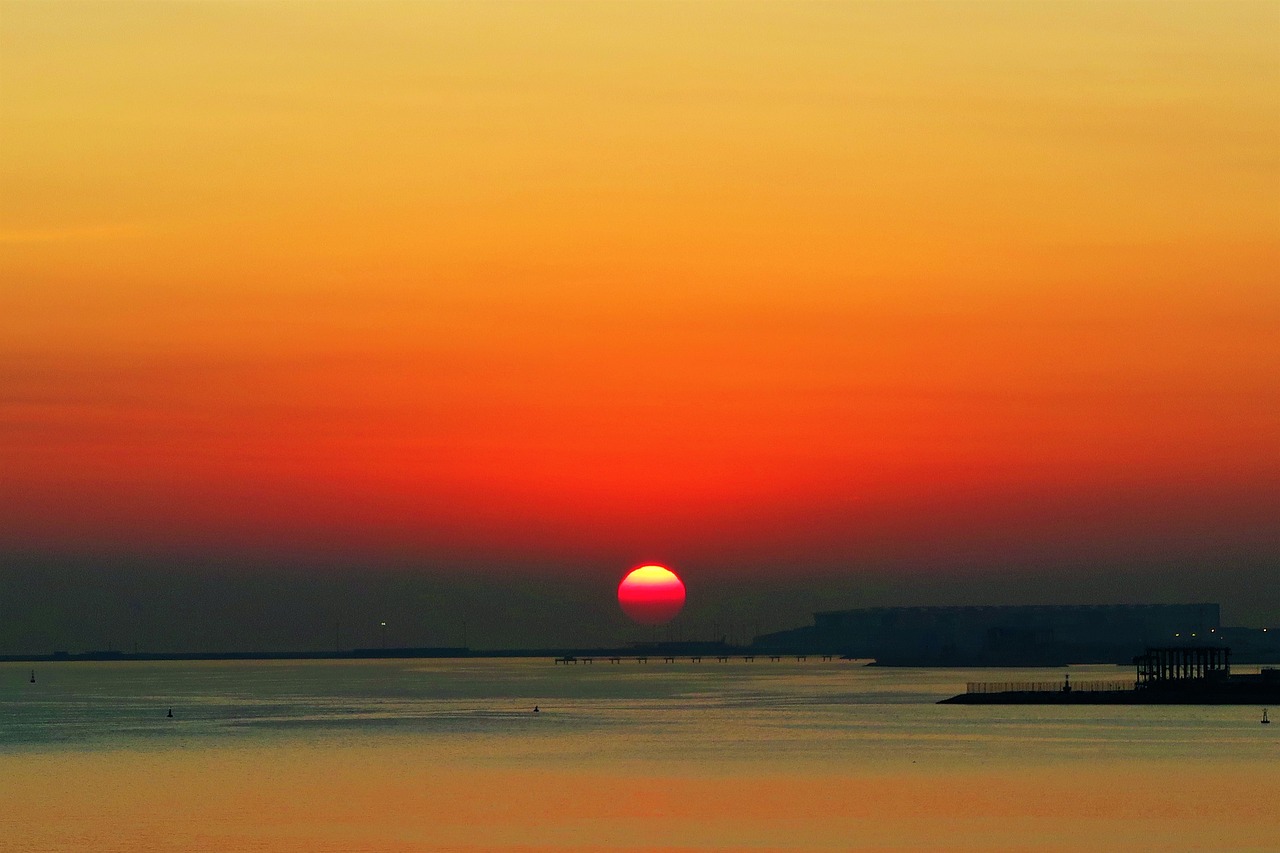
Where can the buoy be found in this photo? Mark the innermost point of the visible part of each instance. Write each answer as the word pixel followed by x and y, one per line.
pixel 170 712
pixel 1265 721
pixel 535 709
pixel 33 676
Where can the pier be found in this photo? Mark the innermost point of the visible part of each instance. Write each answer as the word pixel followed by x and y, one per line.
pixel 1180 675
pixel 1064 686
pixel 669 658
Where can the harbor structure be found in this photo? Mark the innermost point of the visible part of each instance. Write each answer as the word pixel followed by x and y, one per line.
pixel 1175 675
pixel 1169 667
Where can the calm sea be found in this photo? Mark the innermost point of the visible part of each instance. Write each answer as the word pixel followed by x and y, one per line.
pixel 450 756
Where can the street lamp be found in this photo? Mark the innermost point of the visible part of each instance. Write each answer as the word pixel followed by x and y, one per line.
pixel 384 634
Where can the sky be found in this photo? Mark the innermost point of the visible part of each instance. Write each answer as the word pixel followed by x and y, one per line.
pixel 451 308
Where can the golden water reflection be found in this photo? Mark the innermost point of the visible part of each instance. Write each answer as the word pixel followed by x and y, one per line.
pixel 295 798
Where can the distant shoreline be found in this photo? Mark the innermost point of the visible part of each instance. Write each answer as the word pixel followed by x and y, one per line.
pixel 682 649
pixel 349 654
pixel 562 655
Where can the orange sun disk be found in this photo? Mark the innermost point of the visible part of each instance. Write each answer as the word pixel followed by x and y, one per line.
pixel 651 595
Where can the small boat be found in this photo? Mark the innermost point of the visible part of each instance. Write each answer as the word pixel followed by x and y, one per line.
pixel 1265 720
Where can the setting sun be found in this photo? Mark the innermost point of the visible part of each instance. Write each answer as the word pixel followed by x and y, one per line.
pixel 651 595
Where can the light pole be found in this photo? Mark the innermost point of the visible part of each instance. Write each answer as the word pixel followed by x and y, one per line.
pixel 384 635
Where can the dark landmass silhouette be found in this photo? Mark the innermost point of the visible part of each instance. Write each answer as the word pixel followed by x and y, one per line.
pixel 1179 675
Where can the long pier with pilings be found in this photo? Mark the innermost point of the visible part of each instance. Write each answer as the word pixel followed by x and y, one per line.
pixel 644 658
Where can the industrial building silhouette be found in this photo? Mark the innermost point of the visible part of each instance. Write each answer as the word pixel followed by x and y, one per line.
pixel 1026 635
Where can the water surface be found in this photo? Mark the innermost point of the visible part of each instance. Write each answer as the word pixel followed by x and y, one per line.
pixel 448 755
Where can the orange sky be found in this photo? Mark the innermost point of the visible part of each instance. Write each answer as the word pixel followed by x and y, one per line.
pixel 661 281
